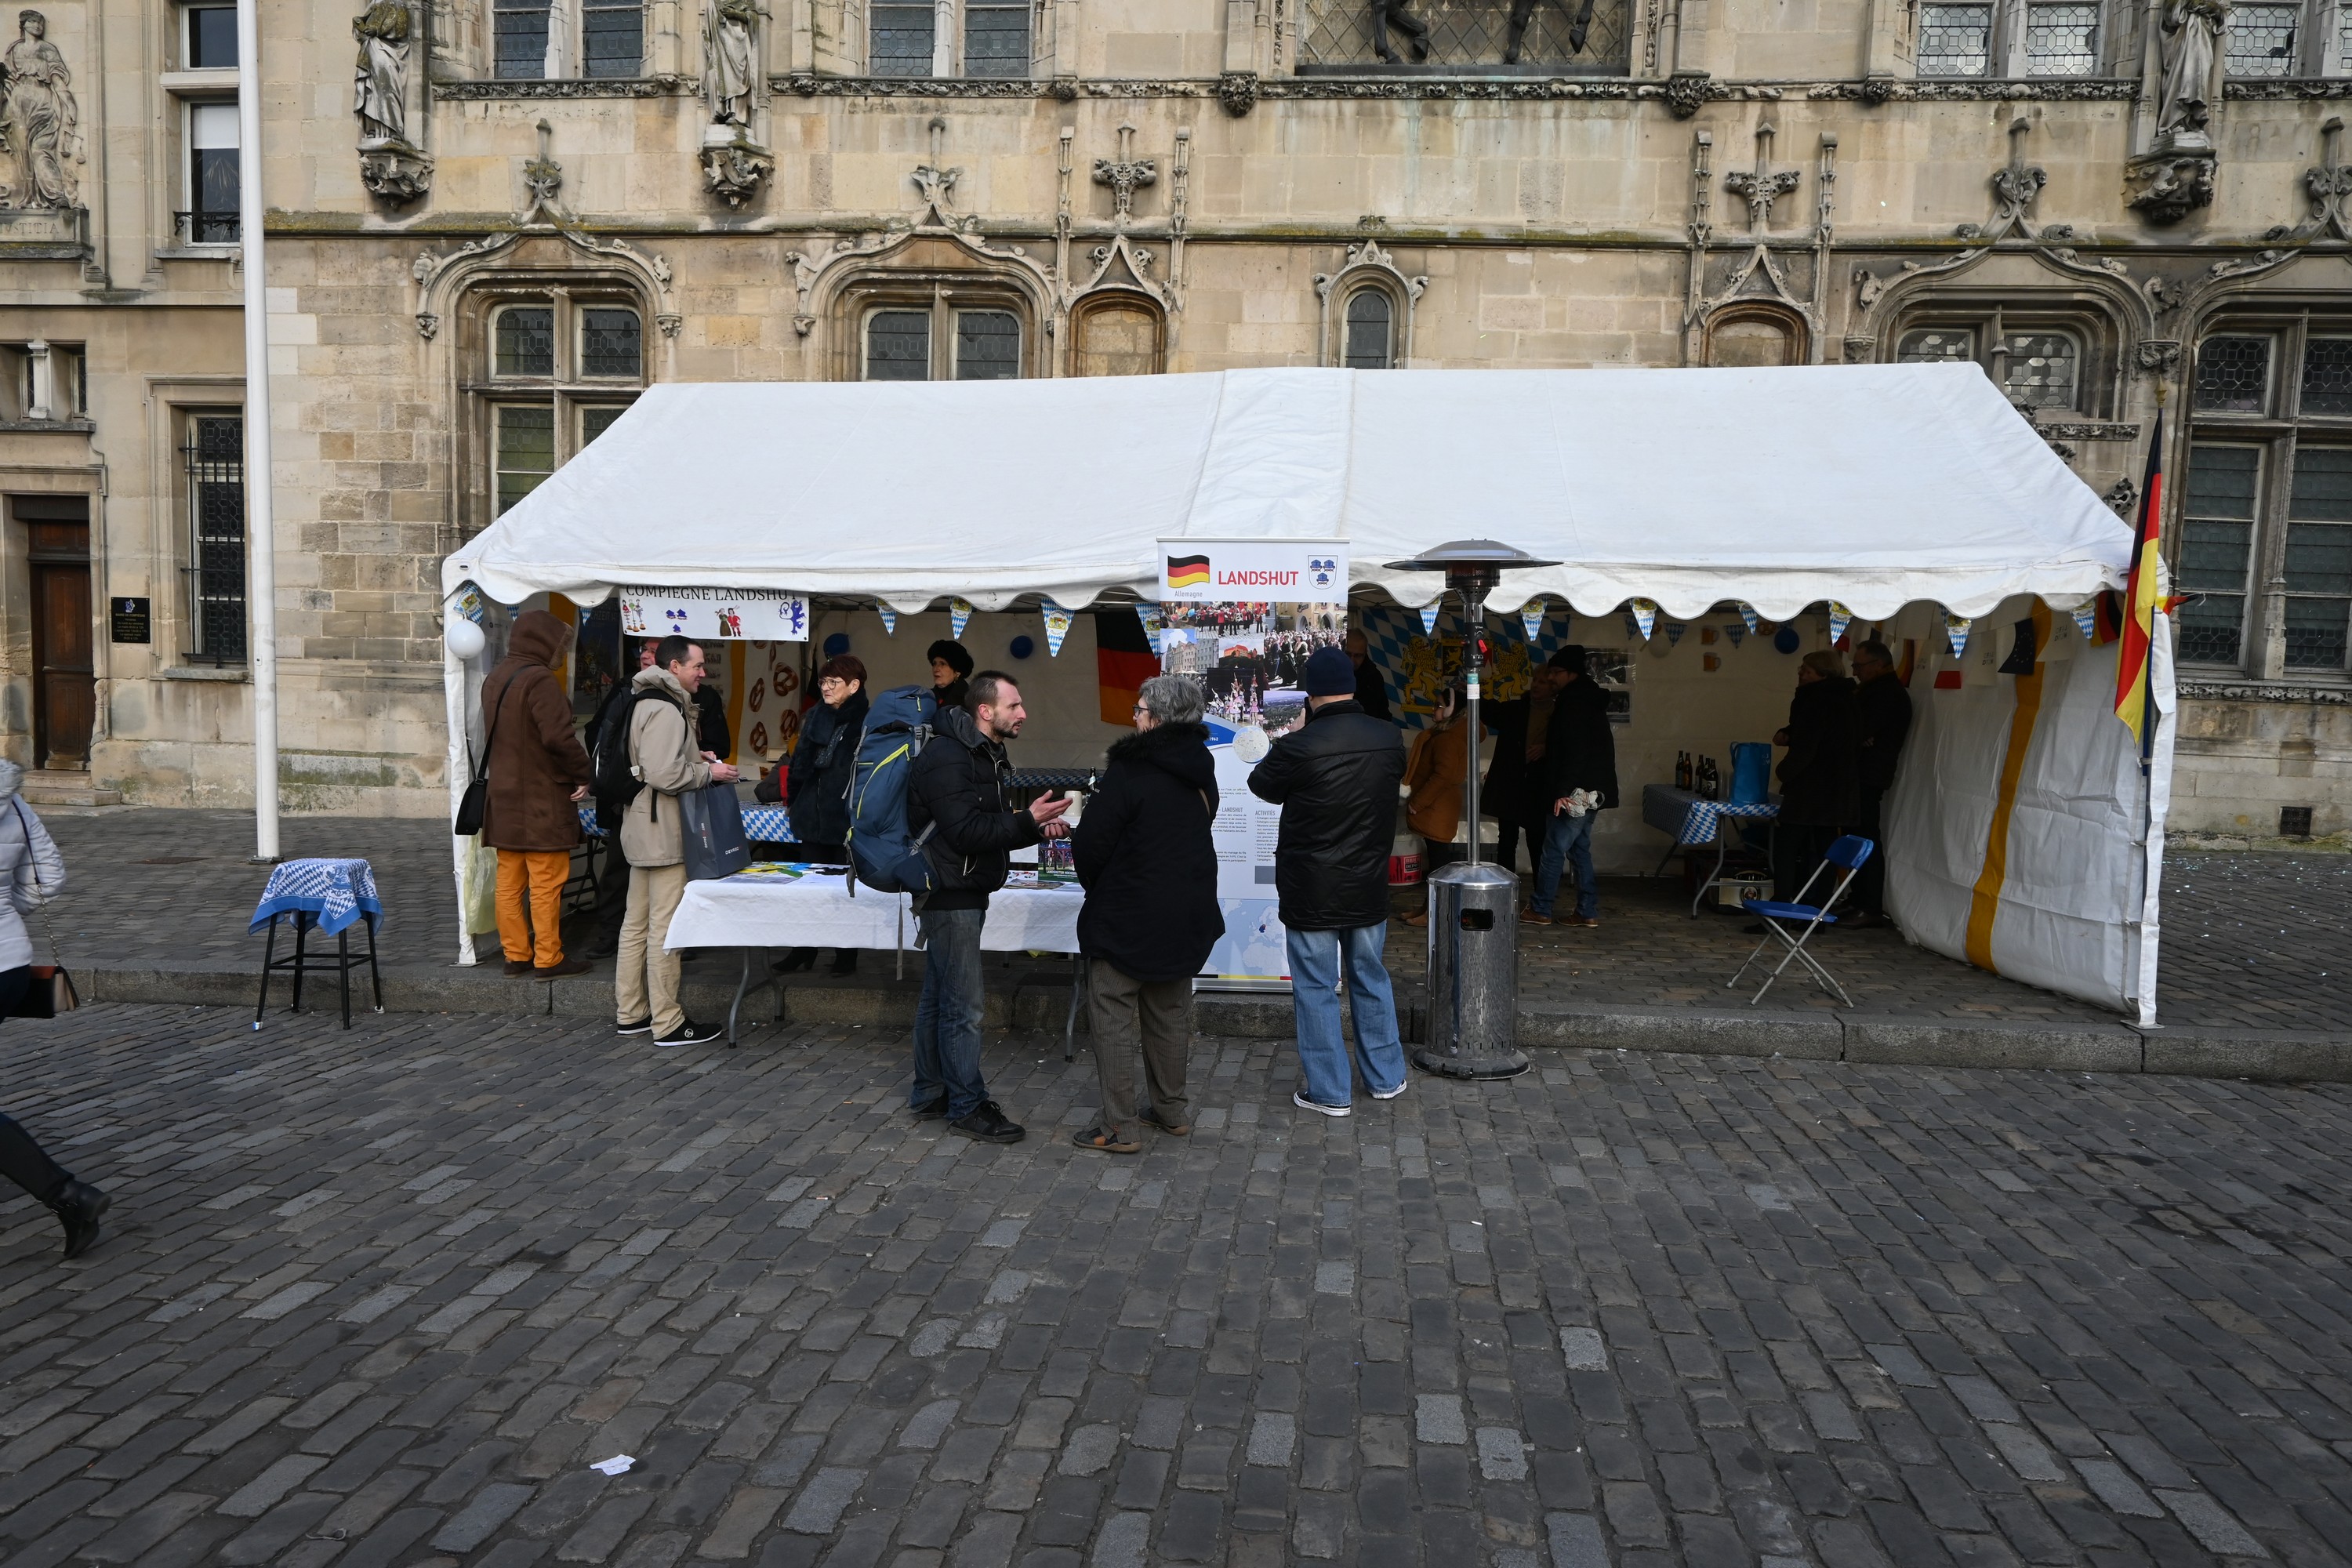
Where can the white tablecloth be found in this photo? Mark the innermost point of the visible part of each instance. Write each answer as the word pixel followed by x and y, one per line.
pixel 816 910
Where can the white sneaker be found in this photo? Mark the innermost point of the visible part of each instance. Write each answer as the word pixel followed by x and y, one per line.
pixel 1392 1093
pixel 1303 1103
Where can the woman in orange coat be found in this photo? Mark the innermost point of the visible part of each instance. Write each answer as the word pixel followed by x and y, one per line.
pixel 1434 778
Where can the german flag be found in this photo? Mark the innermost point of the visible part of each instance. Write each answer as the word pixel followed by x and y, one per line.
pixel 1123 662
pixel 2134 690
pixel 1188 571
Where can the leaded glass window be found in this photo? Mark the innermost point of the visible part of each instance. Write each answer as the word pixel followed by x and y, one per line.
pixel 987 345
pixel 1955 41
pixel 2062 40
pixel 2318 564
pixel 996 37
pixel 610 341
pixel 214 457
pixel 596 418
pixel 2232 375
pixel 2327 376
pixel 1934 345
pixel 525 341
pixel 1370 338
pixel 2261 40
pixel 612 37
pixel 518 40
pixel 526 449
pixel 899 346
pixel 2041 369
pixel 2216 539
pixel 900 40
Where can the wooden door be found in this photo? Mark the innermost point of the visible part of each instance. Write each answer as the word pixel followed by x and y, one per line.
pixel 65 692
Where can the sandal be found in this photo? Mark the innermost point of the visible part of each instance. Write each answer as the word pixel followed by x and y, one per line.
pixel 1105 1140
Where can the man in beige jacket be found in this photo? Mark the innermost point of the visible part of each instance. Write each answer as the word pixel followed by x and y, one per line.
pixel 663 760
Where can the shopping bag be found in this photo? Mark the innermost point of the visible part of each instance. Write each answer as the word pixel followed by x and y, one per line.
pixel 49 991
pixel 481 888
pixel 712 820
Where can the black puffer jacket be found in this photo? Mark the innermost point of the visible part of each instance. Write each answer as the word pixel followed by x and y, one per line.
pixel 1820 783
pixel 1336 780
pixel 1580 748
pixel 1146 858
pixel 958 785
pixel 816 785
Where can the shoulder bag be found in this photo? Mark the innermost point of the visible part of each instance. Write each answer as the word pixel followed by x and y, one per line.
pixel 50 990
pixel 475 802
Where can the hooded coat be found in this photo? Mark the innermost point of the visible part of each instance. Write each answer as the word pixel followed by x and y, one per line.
pixel 536 759
pixel 1146 858
pixel 31 870
pixel 1820 777
pixel 1579 747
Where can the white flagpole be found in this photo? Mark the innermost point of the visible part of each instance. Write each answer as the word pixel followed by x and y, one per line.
pixel 261 535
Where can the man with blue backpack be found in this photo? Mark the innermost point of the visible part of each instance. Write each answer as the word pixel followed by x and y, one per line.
pixel 955 809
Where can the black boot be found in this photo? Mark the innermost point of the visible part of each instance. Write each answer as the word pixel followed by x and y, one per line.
pixel 78 1207
pixel 795 960
pixel 844 961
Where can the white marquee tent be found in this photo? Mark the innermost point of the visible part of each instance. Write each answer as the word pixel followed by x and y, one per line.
pixel 2023 832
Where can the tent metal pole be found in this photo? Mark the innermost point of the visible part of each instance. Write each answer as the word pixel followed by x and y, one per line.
pixel 262 534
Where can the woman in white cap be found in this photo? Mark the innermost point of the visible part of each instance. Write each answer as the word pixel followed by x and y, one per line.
pixel 33 871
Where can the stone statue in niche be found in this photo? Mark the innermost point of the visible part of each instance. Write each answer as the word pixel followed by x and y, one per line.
pixel 380 83
pixel 1386 14
pixel 42 122
pixel 2190 30
pixel 1579 26
pixel 731 68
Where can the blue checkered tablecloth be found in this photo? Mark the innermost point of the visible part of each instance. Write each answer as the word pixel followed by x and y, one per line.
pixel 338 891
pixel 1692 820
pixel 762 824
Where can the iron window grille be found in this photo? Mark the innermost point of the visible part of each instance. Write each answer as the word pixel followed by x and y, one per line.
pixel 1370 343
pixel 1955 41
pixel 213 461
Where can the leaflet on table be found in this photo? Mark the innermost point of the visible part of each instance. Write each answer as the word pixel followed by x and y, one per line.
pixel 717 612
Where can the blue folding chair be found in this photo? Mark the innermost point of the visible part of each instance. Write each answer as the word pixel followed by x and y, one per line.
pixel 1848 854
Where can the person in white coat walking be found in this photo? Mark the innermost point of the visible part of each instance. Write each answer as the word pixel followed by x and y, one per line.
pixel 33 872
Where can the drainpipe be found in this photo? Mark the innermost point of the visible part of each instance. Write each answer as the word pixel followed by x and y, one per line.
pixel 262 534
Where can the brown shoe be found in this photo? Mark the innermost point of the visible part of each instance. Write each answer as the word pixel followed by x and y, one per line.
pixel 569 966
pixel 1173 1129
pixel 518 967
pixel 1106 1140
pixel 1579 920
pixel 1529 918
pixel 1413 918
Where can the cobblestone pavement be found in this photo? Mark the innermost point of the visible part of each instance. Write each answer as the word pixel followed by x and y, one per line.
pixel 380 1298
pixel 2253 940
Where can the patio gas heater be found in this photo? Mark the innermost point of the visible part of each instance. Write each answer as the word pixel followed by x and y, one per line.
pixel 1474 909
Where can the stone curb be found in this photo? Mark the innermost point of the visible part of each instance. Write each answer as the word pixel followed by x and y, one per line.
pixel 1042 1003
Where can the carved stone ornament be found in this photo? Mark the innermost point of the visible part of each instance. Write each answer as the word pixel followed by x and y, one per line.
pixel 544 176
pixel 1124 175
pixel 397 174
pixel 40 125
pixel 2164 188
pixel 2121 498
pixel 1237 90
pixel 2189 33
pixel 1762 186
pixel 1858 350
pixel 1685 92
pixel 2327 186
pixel 2158 356
pixel 733 169
pixel 1876 90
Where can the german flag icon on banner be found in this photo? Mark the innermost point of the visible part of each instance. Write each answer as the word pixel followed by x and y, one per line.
pixel 1188 571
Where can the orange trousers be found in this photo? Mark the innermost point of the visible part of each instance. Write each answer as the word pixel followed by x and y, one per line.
pixel 535 876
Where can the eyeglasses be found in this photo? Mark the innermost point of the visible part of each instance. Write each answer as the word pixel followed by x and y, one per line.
pixel 833 681
pixel 1140 709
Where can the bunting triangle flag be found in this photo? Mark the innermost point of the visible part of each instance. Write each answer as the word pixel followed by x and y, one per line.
pixel 1747 613
pixel 1057 626
pixel 1429 617
pixel 1737 633
pixel 1531 616
pixel 889 621
pixel 1674 632
pixel 959 613
pixel 1645 615
pixel 1154 623
pixel 1955 628
pixel 1840 618
pixel 2086 620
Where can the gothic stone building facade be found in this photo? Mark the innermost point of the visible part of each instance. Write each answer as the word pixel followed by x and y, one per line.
pixel 491 222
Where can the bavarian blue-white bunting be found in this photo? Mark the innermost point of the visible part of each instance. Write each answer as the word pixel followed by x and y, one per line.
pixel 1057 626
pixel 1840 618
pixel 959 613
pixel 1531 616
pixel 1747 613
pixel 1674 632
pixel 1155 624
pixel 889 621
pixel 2086 620
pixel 1429 617
pixel 1956 628
pixel 1645 615
pixel 1737 633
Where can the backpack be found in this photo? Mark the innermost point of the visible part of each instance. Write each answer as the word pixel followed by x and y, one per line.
pixel 611 780
pixel 883 852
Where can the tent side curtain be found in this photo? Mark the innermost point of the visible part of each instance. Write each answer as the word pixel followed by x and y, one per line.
pixel 1874 486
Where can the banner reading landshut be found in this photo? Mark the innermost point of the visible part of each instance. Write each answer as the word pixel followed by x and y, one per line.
pixel 1223 571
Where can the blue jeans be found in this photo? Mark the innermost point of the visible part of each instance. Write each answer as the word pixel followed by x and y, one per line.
pixel 1567 839
pixel 947 1019
pixel 1316 957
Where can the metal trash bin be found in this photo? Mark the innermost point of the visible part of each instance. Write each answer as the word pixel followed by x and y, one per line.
pixel 1473 973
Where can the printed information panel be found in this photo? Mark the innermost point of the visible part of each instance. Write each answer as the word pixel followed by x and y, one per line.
pixel 1252 955
pixel 721 614
pixel 1221 571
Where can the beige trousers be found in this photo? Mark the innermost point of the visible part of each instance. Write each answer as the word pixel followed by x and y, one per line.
pixel 647 980
pixel 1152 1017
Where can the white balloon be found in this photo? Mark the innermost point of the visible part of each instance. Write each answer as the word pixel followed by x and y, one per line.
pixel 464 638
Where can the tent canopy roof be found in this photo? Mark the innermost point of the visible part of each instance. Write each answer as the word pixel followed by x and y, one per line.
pixel 1876 486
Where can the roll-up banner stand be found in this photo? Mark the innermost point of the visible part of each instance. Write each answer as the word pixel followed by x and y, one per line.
pixel 1241 617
